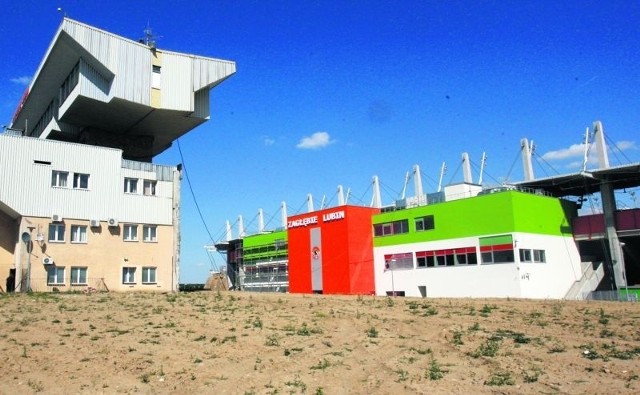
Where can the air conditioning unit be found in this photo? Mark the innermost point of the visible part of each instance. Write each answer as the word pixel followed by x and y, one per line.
pixel 47 260
pixel 95 223
pixel 56 218
pixel 112 222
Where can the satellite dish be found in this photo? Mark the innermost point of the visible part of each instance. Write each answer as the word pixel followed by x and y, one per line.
pixel 26 237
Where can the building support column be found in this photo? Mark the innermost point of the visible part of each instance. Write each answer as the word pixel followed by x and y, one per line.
pixel 616 254
pixel 175 272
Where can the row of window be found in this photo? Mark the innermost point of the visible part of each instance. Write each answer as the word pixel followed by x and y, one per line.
pixel 148 186
pixel 424 223
pixel 56 275
pixel 60 179
pixel 79 233
pixel 148 275
pixel 459 257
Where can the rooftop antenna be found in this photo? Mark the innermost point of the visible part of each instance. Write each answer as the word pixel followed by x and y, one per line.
pixel 149 39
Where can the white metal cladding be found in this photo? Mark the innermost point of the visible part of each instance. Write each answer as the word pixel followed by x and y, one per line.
pixel 201 104
pixel 128 60
pixel 208 72
pixel 163 172
pixel 176 89
pixel 27 164
pixel 92 83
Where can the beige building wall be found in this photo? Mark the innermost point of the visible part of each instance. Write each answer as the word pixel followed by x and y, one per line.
pixel 8 232
pixel 156 86
pixel 105 254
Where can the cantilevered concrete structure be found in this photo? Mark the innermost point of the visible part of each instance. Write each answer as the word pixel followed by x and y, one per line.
pixel 81 206
pixel 97 88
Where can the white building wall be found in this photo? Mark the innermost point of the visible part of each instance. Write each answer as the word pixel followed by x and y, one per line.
pixel 553 279
pixel 518 280
pixel 176 91
pixel 128 60
pixel 26 186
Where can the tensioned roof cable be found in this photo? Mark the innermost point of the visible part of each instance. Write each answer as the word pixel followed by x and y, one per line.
pixel 193 195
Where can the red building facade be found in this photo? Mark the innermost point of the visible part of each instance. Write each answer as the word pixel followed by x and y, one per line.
pixel 331 251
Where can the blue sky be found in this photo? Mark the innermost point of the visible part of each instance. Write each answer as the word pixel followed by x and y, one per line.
pixel 331 93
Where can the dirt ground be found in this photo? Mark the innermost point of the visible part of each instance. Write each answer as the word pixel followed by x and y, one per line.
pixel 243 343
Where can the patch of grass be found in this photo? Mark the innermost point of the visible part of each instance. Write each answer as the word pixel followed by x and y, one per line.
pixel 434 371
pixel 403 375
pixel 297 383
pixel 457 338
pixel 532 375
pixel 272 340
pixel 557 348
pixel 321 365
pixel 488 349
pixel 486 310
pixel 36 386
pixel 372 332
pixel 500 378
pixel 421 351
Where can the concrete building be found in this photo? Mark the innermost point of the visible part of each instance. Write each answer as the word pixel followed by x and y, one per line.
pixel 81 204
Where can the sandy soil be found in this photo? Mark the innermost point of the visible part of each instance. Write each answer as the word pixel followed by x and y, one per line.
pixel 242 343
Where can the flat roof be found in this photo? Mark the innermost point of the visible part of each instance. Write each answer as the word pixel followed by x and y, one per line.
pixel 587 182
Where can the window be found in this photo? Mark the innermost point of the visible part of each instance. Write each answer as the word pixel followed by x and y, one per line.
pixel 78 234
pixel 148 275
pixel 59 178
pixel 149 233
pixel 450 257
pixel 425 223
pixel 56 233
pixel 391 228
pixel 80 181
pixel 78 276
pixel 55 275
pixel 128 275
pixel 130 232
pixel 497 249
pixel 401 261
pixel 131 185
pixel 156 78
pixel 539 256
pixel 525 255
pixel 149 187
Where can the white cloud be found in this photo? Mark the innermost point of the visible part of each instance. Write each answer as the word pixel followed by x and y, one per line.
pixel 268 140
pixel 574 151
pixel 577 151
pixel 24 80
pixel 626 145
pixel 315 141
